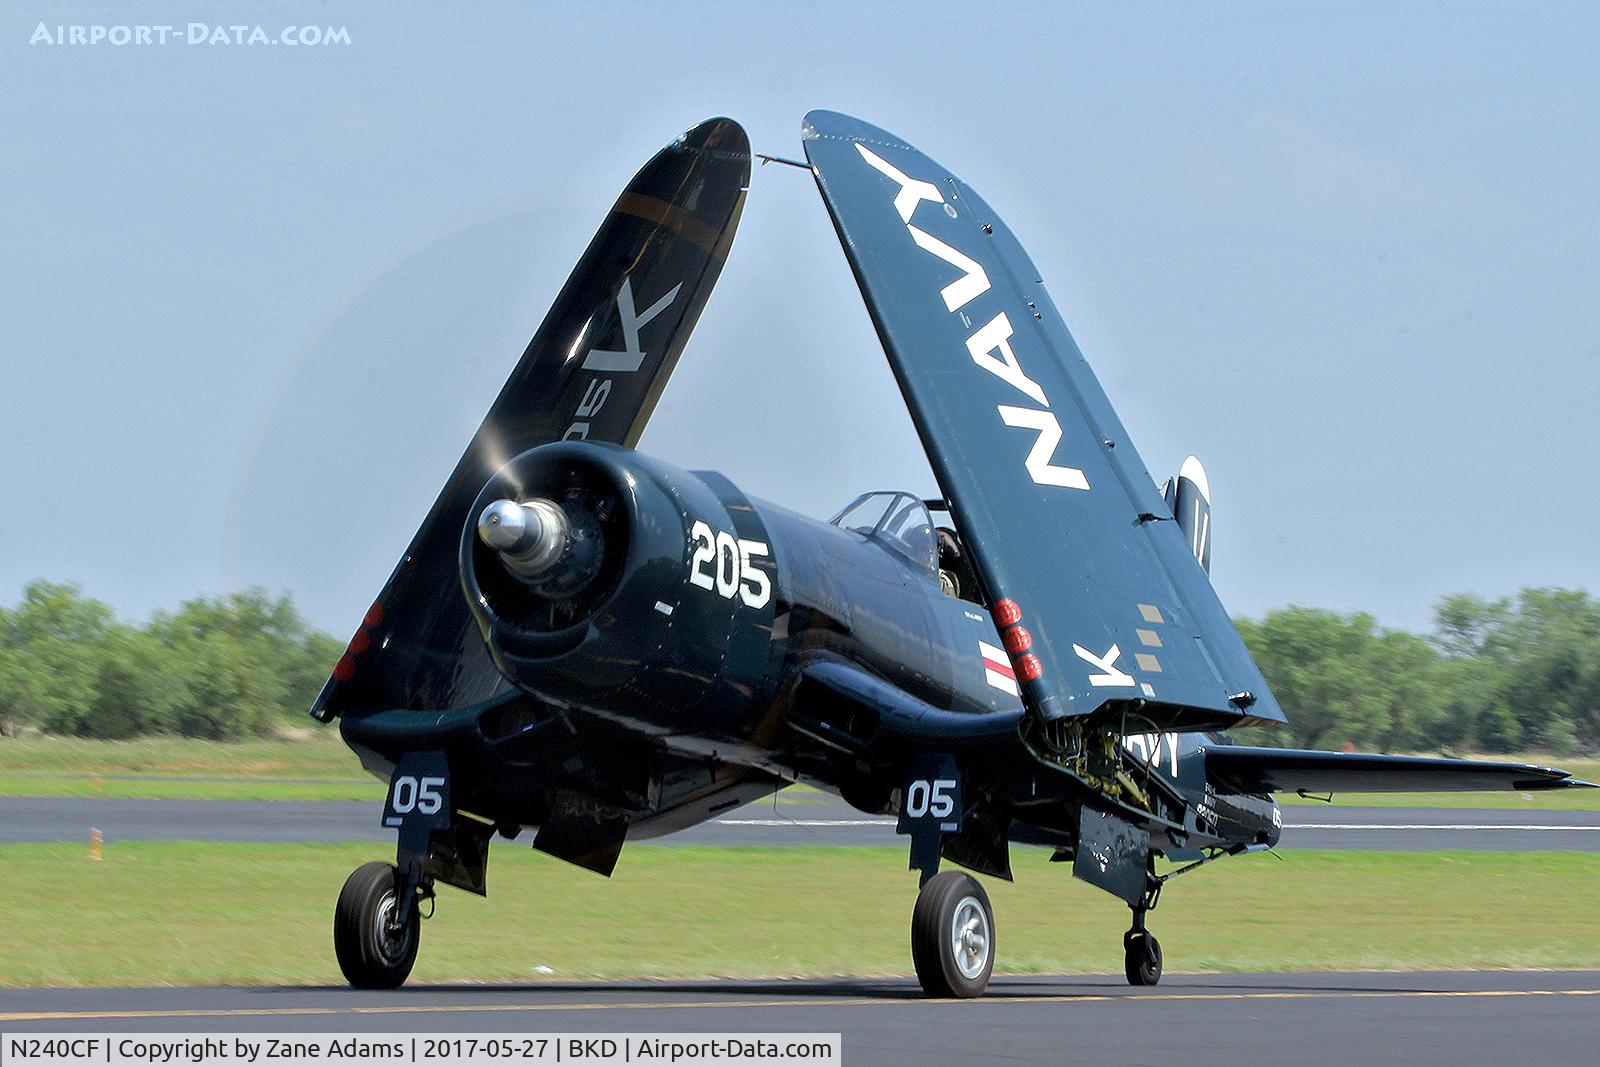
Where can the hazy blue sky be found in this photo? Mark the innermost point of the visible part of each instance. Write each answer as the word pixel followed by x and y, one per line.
pixel 254 300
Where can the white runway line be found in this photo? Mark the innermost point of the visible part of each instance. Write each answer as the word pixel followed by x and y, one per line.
pixel 1472 827
pixel 805 822
pixel 1430 826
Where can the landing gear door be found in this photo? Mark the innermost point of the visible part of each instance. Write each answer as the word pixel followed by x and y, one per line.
pixel 931 806
pixel 1112 854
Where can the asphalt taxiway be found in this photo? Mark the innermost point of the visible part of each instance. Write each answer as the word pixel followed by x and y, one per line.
pixel 811 819
pixel 1194 1020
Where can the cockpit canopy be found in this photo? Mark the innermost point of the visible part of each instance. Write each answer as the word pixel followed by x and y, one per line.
pixel 898 521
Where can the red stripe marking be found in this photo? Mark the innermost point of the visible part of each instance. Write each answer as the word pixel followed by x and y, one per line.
pixel 1000 668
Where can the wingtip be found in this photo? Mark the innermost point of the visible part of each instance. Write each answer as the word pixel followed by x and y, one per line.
pixel 816 116
pixel 822 123
pixel 1557 780
pixel 718 134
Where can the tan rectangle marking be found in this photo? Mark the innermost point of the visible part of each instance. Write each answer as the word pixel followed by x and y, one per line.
pixel 1149 637
pixel 1147 663
pixel 1151 613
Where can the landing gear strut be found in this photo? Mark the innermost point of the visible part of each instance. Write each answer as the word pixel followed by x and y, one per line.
pixel 377 927
pixel 952 936
pixel 1141 952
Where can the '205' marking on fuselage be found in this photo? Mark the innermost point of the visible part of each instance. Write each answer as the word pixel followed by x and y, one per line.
pixel 725 565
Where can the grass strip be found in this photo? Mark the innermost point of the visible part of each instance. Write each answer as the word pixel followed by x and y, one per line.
pixel 44 784
pixel 194 913
pixel 316 766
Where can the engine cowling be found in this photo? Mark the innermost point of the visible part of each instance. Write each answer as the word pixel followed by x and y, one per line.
pixel 578 561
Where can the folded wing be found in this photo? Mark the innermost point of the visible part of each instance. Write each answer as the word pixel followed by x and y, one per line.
pixel 1060 514
pixel 594 370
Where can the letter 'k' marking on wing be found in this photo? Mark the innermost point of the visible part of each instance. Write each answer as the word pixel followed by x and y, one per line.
pixel 1109 674
pixel 631 355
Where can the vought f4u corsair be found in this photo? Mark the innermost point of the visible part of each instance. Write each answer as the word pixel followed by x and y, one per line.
pixel 594 645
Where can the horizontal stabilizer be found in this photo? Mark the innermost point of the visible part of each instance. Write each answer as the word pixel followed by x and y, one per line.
pixel 1287 770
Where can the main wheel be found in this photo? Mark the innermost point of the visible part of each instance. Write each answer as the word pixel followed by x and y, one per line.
pixel 373 952
pixel 1141 958
pixel 952 936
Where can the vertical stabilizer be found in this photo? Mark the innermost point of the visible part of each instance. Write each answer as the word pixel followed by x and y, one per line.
pixel 1189 497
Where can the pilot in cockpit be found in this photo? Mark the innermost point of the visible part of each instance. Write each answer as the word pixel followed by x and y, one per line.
pixel 956 576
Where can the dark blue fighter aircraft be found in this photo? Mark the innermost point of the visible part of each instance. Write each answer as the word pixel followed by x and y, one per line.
pixel 592 644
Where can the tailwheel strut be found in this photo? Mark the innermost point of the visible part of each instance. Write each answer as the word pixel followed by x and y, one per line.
pixel 1141 952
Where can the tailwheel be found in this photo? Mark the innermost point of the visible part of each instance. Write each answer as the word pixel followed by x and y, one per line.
pixel 1141 957
pixel 375 937
pixel 952 936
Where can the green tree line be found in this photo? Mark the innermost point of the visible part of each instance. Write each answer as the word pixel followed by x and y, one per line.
pixel 226 667
pixel 1498 675
pixel 1493 675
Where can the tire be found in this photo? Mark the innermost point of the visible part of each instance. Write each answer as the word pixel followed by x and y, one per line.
pixel 952 936
pixel 1142 959
pixel 369 956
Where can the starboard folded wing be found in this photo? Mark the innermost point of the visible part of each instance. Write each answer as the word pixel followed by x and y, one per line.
pixel 594 369
pixel 1286 770
pixel 1061 516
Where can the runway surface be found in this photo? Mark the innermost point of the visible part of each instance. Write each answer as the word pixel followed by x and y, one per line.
pixel 816 819
pixel 1192 1020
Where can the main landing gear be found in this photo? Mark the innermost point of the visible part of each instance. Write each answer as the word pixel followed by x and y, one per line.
pixel 376 929
pixel 952 936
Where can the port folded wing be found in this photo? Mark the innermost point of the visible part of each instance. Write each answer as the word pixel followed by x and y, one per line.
pixel 594 370
pixel 1059 513
pixel 1238 769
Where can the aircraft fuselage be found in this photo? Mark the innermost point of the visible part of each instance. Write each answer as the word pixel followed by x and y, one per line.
pixel 690 650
